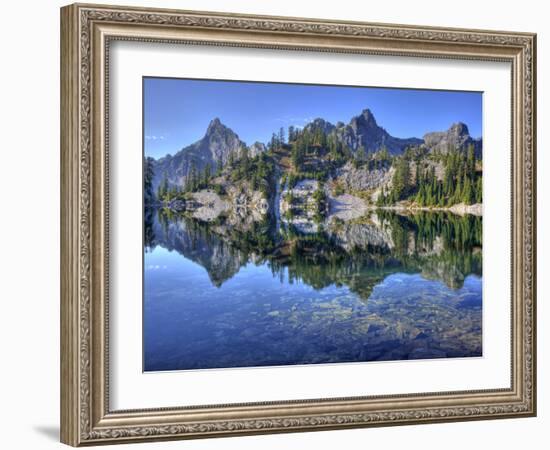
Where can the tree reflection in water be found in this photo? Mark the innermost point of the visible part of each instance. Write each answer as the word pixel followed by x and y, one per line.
pixel 387 286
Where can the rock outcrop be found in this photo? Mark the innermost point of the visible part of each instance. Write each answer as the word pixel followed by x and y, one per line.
pixel 457 136
pixel 362 179
pixel 207 205
pixel 256 148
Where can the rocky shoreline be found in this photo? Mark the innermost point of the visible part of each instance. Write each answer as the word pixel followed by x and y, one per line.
pixel 460 208
pixel 207 205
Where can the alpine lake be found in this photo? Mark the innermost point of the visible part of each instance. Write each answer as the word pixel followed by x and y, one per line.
pixel 392 285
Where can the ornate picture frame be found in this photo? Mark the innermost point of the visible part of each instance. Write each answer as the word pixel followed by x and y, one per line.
pixel 87 32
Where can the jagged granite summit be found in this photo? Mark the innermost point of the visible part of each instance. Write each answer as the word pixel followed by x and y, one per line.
pixel 216 145
pixel 457 136
pixel 363 131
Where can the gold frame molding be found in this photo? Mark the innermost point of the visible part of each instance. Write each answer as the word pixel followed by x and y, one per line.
pixel 86 31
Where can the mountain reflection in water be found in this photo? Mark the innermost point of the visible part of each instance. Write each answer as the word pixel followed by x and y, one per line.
pixel 386 287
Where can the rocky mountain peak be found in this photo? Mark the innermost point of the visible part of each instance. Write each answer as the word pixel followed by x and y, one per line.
pixel 365 122
pixel 215 125
pixel 216 146
pixel 457 136
pixel 219 140
pixel 364 131
pixel 368 117
pixel 459 129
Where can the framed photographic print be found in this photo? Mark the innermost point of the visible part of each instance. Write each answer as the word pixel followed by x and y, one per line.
pixel 280 224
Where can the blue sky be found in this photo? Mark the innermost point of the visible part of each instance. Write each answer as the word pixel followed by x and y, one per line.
pixel 178 111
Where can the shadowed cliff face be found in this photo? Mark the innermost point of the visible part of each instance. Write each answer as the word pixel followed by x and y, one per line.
pixel 217 144
pixel 358 254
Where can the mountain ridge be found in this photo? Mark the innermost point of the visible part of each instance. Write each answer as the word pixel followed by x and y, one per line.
pixel 220 144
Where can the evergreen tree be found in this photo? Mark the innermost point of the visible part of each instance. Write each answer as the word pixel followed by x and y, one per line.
pixel 467 193
pixel 417 174
pixel 148 175
pixel 244 160
pixel 430 201
pixel 172 192
pixel 334 148
pixel 273 144
pixel 323 140
pixel 440 198
pixel 421 195
pixel 297 155
pixel 361 156
pixel 219 165
pixel 384 155
pixel 281 137
pixel 471 161
pixel 381 199
pixel 460 182
pixel 291 136
pixel 163 187
pixel 207 174
pixel 192 178
pixel 479 190
pixel 401 180
pixel 457 197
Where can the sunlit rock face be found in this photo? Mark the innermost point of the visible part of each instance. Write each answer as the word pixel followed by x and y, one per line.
pixel 457 136
pixel 256 148
pixel 363 179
